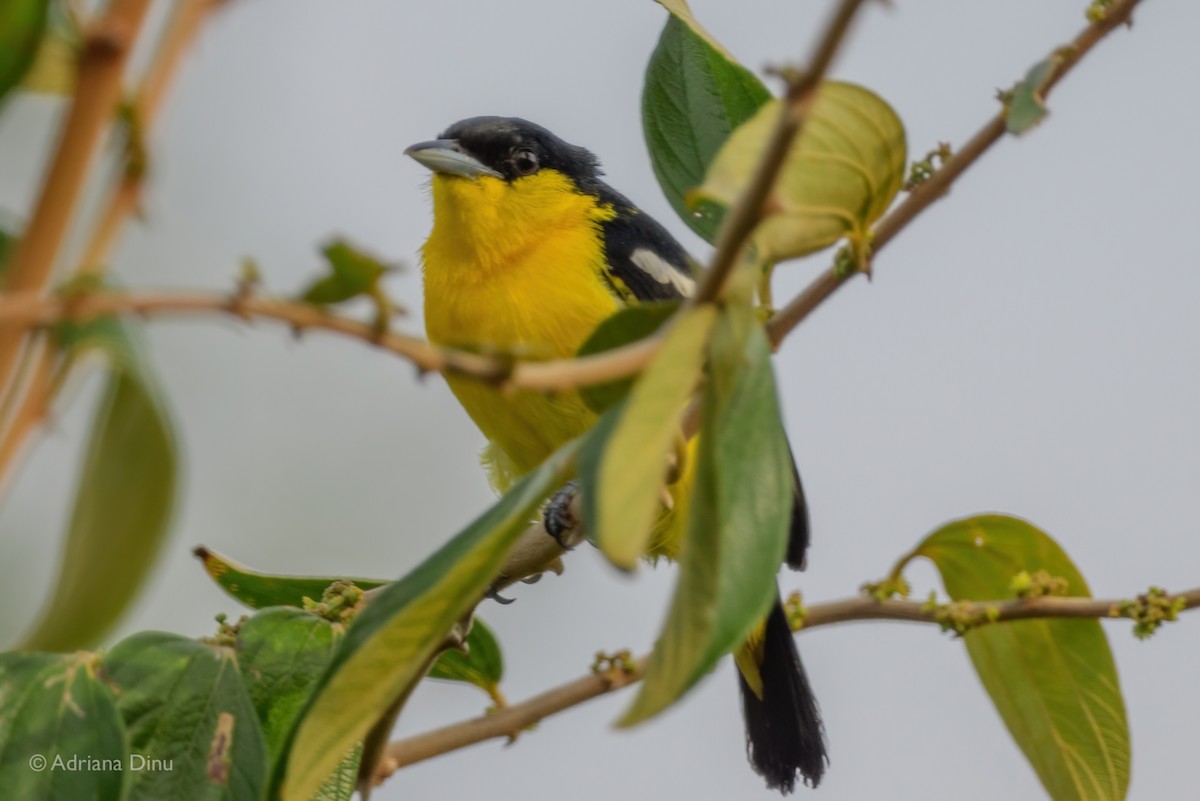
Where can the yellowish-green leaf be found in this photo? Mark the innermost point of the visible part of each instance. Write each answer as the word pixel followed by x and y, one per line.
pixel 838 180
pixel 1053 682
pixel 623 474
pixel 738 518
pixel 390 644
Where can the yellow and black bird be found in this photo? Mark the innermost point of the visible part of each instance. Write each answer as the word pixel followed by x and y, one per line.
pixel 530 251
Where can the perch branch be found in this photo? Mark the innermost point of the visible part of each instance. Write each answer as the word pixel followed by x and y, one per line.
pixel 514 719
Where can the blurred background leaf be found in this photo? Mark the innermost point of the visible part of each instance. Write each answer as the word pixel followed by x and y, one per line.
pixel 22 24
pixel 125 495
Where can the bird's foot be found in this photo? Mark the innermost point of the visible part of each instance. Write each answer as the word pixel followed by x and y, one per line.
pixel 559 517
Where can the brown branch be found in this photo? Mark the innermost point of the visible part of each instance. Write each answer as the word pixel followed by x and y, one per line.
pixel 24 310
pixel 747 212
pixel 186 21
pixel 512 720
pixel 936 187
pixel 106 48
pixel 31 403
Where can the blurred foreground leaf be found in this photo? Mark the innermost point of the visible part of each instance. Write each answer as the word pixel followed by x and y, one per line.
pixel 389 646
pixel 1053 681
pixel 54 712
pixel 741 505
pixel 625 326
pixel 184 703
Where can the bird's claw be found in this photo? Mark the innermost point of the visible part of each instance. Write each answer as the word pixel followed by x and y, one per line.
pixel 558 518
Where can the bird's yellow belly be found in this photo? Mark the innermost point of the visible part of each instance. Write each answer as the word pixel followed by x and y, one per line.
pixel 542 306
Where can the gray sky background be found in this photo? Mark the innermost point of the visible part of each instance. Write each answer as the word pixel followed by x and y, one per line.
pixel 1026 347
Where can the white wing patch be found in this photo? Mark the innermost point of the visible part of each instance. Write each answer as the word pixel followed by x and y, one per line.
pixel 662 271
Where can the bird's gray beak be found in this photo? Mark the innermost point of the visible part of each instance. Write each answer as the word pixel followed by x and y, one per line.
pixel 445 156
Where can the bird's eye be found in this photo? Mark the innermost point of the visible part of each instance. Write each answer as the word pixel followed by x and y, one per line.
pixel 525 161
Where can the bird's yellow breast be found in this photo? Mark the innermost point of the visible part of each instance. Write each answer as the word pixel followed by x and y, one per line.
pixel 517 267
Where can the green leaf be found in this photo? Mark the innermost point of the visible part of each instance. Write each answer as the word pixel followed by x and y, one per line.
pixel 695 94
pixel 1026 106
pixel 282 652
pixel 738 519
pixel 342 783
pixel 840 177
pixel 391 643
pixel 352 274
pixel 22 23
pixel 260 590
pixel 54 709
pixel 625 326
pixel 482 664
pixel 623 471
pixel 1053 682
pixel 124 498
pixel 184 703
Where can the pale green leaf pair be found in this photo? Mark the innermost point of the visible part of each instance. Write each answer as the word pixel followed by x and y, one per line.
pixel 840 177
pixel 707 119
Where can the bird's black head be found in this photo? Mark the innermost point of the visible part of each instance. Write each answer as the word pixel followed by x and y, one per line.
pixel 504 147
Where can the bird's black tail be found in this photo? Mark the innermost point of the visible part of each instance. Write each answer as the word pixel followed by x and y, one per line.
pixel 784 736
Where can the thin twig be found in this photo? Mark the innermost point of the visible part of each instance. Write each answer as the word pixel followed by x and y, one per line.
pixel 514 719
pixel 745 215
pixel 24 310
pixel 936 187
pixel 32 401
